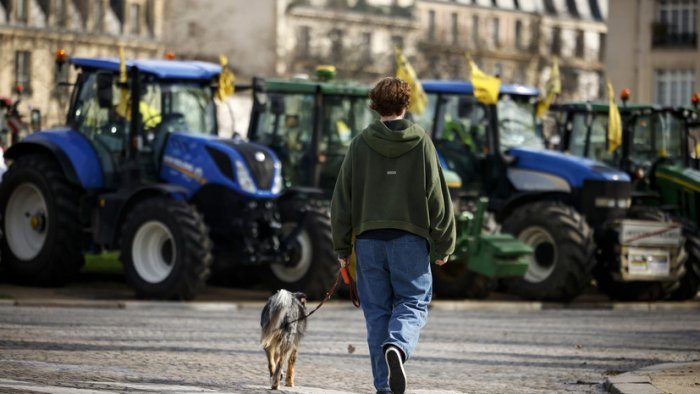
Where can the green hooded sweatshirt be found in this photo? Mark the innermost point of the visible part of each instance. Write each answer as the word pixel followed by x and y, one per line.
pixel 391 179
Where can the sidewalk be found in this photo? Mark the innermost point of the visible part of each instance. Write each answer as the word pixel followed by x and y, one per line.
pixel 676 378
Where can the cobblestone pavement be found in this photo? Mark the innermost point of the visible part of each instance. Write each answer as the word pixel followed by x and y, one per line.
pixel 166 348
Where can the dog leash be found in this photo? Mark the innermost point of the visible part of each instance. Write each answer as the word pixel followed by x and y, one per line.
pixel 347 279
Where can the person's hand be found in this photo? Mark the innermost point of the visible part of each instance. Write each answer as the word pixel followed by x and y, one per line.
pixel 442 261
pixel 343 261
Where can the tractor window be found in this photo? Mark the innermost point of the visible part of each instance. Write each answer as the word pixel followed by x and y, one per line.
pixel 182 107
pixel 426 118
pixel 657 135
pixel 344 117
pixel 597 149
pixel 287 127
pixel 516 123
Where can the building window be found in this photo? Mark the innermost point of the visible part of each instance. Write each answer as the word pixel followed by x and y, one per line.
pixel 455 28
pixel 397 41
pixel 22 71
pixel 60 12
pixel 22 11
pixel 135 19
pixel 556 41
pixel 367 45
pixel 518 34
pixel 431 25
pixel 336 46
pixel 97 12
pixel 475 30
pixel 495 33
pixel 602 43
pixel 580 43
pixel 673 87
pixel 676 23
pixel 304 41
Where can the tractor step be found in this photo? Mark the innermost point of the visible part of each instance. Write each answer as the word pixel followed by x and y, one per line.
pixel 499 255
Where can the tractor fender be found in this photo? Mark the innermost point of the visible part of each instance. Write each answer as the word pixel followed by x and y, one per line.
pixel 72 150
pixel 506 207
pixel 46 148
pixel 114 208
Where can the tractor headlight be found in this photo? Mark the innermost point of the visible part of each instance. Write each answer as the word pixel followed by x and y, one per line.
pixel 244 178
pixel 277 183
pixel 603 202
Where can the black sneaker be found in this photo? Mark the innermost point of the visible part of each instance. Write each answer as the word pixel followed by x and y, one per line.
pixel 397 376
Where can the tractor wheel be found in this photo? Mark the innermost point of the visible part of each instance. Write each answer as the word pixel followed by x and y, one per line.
pixel 313 267
pixel 634 290
pixel 454 281
pixel 42 236
pixel 561 265
pixel 689 284
pixel 166 250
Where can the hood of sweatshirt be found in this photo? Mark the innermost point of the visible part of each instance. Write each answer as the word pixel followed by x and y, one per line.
pixel 393 143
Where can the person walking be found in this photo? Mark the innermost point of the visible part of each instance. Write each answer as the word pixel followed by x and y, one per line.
pixel 392 195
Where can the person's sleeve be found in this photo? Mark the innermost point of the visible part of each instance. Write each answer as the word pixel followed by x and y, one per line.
pixel 341 209
pixel 442 219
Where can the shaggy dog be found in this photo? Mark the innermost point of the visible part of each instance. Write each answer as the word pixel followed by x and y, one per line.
pixel 281 333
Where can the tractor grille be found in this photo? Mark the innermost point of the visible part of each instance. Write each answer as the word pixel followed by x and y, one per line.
pixel 263 171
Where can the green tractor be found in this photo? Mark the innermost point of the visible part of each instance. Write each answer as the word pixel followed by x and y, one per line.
pixel 658 151
pixel 310 124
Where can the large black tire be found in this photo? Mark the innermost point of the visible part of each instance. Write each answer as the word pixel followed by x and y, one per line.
pixel 165 249
pixel 689 285
pixel 560 268
pixel 42 233
pixel 633 290
pixel 313 267
pixel 454 281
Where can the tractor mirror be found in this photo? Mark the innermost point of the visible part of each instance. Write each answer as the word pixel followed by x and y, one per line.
pixel 35 119
pixel 104 89
pixel 277 104
pixel 465 106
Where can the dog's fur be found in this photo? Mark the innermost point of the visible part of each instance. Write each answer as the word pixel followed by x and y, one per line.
pixel 281 333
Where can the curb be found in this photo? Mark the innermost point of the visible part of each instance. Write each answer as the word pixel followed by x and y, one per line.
pixel 630 383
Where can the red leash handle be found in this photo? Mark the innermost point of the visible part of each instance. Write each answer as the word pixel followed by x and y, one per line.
pixel 351 284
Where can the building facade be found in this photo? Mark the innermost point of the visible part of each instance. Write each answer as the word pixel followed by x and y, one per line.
pixel 517 40
pixel 292 37
pixel 31 31
pixel 653 49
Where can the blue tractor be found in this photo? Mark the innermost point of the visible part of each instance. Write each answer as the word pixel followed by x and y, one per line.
pixel 139 168
pixel 573 211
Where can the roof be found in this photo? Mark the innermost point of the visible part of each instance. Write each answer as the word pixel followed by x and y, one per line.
pixel 165 69
pixel 310 86
pixel 465 87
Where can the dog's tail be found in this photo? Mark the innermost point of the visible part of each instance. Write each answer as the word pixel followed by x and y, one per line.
pixel 276 311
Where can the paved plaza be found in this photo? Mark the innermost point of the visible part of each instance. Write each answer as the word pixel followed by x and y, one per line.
pixel 213 348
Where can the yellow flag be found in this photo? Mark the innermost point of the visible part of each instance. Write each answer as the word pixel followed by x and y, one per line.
pixel 553 88
pixel 485 86
pixel 226 80
pixel 123 105
pixel 405 72
pixel 614 122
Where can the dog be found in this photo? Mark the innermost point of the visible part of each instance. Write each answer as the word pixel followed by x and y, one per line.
pixel 283 323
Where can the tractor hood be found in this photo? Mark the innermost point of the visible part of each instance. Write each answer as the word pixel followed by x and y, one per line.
pixel 193 161
pixel 574 170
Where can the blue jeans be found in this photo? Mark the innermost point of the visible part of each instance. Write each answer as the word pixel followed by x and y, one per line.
pixel 395 286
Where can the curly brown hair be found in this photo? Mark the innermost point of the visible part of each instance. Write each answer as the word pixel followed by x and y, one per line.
pixel 390 96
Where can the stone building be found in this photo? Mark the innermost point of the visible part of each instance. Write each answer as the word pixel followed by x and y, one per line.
pixel 653 49
pixel 31 31
pixel 290 37
pixel 517 40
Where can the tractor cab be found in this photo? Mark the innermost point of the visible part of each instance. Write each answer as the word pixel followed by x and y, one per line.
pixel 167 102
pixel 309 125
